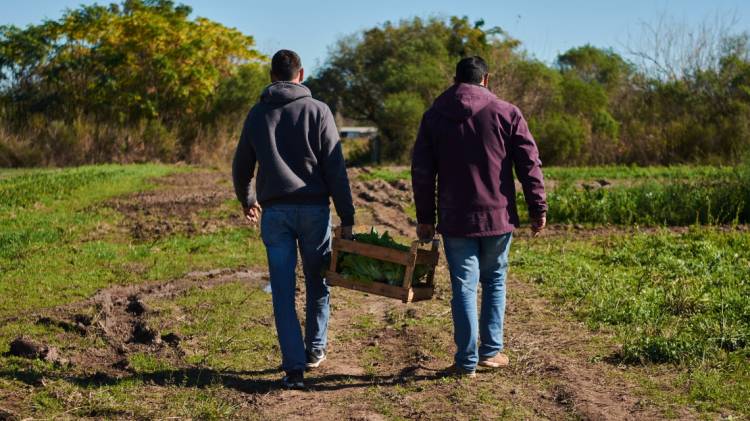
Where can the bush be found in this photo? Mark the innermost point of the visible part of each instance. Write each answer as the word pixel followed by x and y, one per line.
pixel 400 119
pixel 559 138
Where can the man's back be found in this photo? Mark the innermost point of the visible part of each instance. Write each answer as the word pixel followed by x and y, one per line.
pixel 471 141
pixel 294 140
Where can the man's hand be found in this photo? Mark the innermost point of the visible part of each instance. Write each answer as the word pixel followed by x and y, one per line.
pixel 538 223
pixel 252 214
pixel 425 232
pixel 346 233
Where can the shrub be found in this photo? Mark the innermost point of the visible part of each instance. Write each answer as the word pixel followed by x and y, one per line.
pixel 559 138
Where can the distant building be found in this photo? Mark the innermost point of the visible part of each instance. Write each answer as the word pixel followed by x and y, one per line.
pixel 357 132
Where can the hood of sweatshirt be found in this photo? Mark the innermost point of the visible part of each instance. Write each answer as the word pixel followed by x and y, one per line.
pixel 463 100
pixel 280 93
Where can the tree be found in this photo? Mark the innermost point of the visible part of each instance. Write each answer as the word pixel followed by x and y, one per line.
pixel 595 65
pixel 137 78
pixel 389 74
pixel 141 59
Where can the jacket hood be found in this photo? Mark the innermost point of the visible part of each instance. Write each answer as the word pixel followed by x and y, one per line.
pixel 284 92
pixel 463 100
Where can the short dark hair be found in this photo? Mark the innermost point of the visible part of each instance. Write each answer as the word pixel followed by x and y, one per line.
pixel 471 70
pixel 285 64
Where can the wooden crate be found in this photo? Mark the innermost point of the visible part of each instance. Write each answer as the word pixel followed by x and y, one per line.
pixel 409 291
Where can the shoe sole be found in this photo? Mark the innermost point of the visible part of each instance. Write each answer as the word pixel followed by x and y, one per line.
pixel 471 375
pixel 491 365
pixel 316 364
pixel 460 374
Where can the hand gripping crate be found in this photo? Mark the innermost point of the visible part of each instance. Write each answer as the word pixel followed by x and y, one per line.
pixel 408 291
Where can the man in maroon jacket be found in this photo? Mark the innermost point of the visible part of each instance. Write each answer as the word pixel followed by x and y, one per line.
pixel 469 142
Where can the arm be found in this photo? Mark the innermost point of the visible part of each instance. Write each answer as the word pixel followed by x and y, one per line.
pixel 334 170
pixel 423 178
pixel 243 168
pixel 528 167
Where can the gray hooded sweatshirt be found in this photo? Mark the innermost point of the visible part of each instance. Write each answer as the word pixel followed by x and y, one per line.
pixel 294 142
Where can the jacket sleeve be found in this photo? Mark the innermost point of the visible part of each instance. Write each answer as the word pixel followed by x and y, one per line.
pixel 243 167
pixel 528 166
pixel 334 169
pixel 424 175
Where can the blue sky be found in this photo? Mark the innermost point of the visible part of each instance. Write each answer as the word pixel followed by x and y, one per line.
pixel 546 27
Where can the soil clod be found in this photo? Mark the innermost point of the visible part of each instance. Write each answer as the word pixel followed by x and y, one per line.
pixel 563 396
pixel 83 319
pixel 144 334
pixel 122 364
pixel 63 324
pixel 27 348
pixel 6 415
pixel 172 339
pixel 136 305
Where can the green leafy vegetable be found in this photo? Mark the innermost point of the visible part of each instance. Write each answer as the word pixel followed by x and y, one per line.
pixel 368 269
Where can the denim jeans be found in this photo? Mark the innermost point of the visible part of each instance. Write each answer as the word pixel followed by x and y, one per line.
pixel 472 261
pixel 284 228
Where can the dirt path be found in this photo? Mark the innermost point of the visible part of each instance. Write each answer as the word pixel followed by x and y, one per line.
pixel 552 375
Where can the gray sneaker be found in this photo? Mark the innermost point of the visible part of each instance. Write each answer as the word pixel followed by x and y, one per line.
pixel 294 380
pixel 315 357
pixel 456 371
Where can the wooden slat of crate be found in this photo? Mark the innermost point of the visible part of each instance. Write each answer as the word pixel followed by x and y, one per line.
pixel 427 257
pixel 422 293
pixel 416 293
pixel 369 250
pixel 408 292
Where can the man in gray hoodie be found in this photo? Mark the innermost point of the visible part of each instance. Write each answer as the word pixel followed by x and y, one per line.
pixel 293 140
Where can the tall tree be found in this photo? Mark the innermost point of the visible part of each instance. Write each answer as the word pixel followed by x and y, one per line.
pixel 129 61
pixel 389 74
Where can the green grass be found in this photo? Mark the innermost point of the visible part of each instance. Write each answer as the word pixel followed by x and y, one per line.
pixel 674 302
pixel 655 196
pixel 386 174
pixel 571 174
pixel 48 256
pixel 227 329
pixel 722 200
pixel 676 299
pixel 230 326
pixel 622 172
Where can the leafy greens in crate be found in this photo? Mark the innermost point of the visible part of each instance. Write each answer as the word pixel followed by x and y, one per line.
pixel 368 269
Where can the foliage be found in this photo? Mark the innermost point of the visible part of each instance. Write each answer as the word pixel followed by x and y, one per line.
pixel 385 173
pixel 591 107
pixel 634 173
pixel 562 137
pixel 389 74
pixel 138 63
pixel 722 199
pixel 368 269
pixel 141 80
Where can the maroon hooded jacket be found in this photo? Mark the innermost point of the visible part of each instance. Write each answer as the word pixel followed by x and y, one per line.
pixel 468 142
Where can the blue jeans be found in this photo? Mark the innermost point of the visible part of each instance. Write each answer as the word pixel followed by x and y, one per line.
pixel 471 261
pixel 283 229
